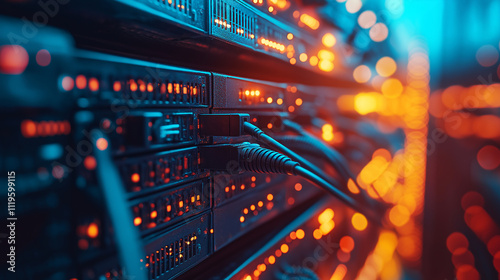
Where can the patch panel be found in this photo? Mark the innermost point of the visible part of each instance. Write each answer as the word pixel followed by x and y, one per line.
pixel 189 13
pixel 268 121
pixel 244 213
pixel 120 83
pixel 152 173
pixel 233 22
pixel 239 23
pixel 139 130
pixel 155 212
pixel 232 93
pixel 178 249
pixel 330 244
pixel 228 188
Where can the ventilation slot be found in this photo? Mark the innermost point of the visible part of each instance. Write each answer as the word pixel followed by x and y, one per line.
pixel 171 256
pixel 232 19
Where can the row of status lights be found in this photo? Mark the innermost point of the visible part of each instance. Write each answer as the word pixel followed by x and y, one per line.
pixel 272 44
pixel 224 24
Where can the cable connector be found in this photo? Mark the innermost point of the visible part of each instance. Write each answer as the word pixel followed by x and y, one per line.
pixel 222 124
pixel 246 156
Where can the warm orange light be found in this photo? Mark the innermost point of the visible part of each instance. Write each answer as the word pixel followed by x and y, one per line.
pixel 153 214
pixel 272 44
pixel 93 84
pixel 269 125
pixel 384 153
pixel 272 259
pixel 327 128
pixel 298 101
pixel 303 57
pixel 90 162
pixel 284 248
pixel 278 253
pixel 298 187
pixel 289 36
pixel 317 234
pixel 102 144
pixel 133 85
pixel 313 60
pixel 326 55
pixel 260 203
pixel 93 230
pixel 386 66
pixel 346 244
pixel 242 219
pixel 328 136
pixel 352 186
pixel 137 221
pixel 279 101
pixel 117 86
pixel 399 215
pixel 300 234
pixel 486 126
pixel 328 40
pixel 359 221
pixel 269 100
pixel 293 61
pixel 13 59
pixel 181 204
pixel 309 21
pixel 365 103
pixel 326 216
pixel 269 197
pixel 339 272
pixel 325 65
pixel 28 128
pixel 327 227
pixel 135 178
pixel 81 82
pixel 392 88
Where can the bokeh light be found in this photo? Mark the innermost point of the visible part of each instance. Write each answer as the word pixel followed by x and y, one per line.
pixel 362 74
pixel 386 66
pixel 487 55
pixel 367 19
pixel 379 32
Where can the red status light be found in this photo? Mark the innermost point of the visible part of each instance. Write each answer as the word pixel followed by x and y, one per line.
pixel 13 59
